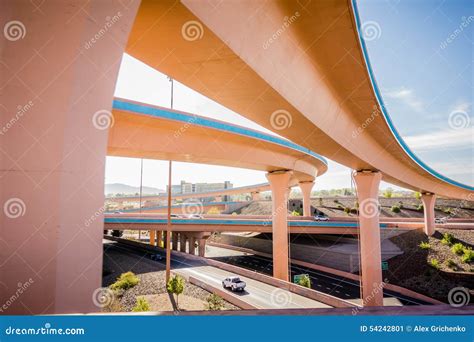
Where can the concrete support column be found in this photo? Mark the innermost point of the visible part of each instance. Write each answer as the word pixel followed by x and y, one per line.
pixel 202 247
pixel 306 188
pixel 429 201
pixel 174 237
pixel 57 83
pixel 279 185
pixel 152 237
pixel 192 241
pixel 256 196
pixel 182 242
pixel 367 184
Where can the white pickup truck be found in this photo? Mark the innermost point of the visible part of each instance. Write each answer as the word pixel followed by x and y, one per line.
pixel 234 283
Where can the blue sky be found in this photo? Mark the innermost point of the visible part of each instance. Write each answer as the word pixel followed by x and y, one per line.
pixel 426 83
pixel 426 80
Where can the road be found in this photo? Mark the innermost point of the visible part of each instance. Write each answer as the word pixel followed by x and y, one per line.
pixel 321 281
pixel 257 294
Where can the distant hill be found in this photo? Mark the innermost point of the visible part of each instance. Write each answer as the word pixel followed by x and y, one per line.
pixel 124 189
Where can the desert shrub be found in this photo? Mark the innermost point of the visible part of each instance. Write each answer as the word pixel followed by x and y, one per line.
pixel 305 281
pixel 447 239
pixel 125 281
pixel 424 245
pixel 142 305
pixel 214 302
pixel 468 255
pixel 435 264
pixel 347 210
pixel 447 211
pixel 395 209
pixel 450 263
pixel 458 248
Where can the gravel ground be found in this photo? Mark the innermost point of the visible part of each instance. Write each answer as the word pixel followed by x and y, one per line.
pixel 459 209
pixel 411 270
pixel 152 281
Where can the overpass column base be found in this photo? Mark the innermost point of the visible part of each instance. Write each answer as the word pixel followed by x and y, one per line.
pixel 429 201
pixel 192 242
pixel 202 247
pixel 306 188
pixel 182 242
pixel 370 252
pixel 279 185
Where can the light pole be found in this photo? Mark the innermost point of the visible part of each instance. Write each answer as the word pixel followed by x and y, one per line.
pixel 168 226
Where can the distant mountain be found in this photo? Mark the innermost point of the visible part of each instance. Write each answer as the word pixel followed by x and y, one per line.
pixel 124 189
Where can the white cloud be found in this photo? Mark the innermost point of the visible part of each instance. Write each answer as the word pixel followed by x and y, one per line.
pixel 407 96
pixel 448 138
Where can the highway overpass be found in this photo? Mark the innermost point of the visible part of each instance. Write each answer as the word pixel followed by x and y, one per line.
pixel 313 86
pixel 254 190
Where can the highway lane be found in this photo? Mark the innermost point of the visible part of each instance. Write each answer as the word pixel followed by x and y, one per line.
pixel 321 281
pixel 258 294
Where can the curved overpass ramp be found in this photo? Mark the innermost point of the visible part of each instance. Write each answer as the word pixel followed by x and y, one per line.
pixel 146 131
pixel 316 74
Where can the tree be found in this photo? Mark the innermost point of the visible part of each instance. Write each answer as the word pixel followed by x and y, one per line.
pixel 388 193
pixel 175 286
pixel 295 213
pixel 214 302
pixel 417 195
pixel 213 211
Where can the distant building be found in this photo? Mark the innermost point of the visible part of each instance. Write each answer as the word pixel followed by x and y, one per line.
pixel 187 188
